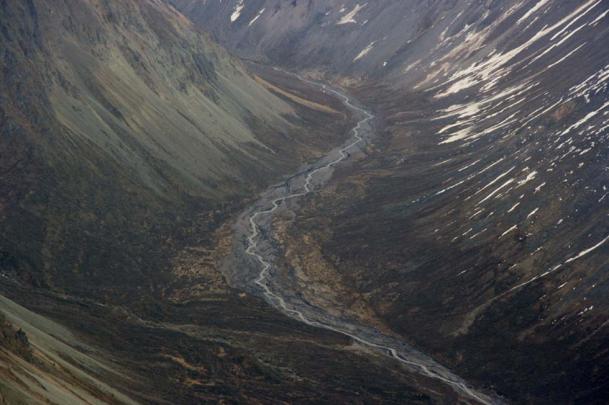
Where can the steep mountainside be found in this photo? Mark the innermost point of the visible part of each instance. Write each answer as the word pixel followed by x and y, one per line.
pixel 119 120
pixel 477 226
pixel 397 40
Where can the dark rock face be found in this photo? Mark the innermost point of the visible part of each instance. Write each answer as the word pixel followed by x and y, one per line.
pixel 478 226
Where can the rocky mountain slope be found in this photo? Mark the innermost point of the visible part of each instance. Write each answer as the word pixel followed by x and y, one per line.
pixel 119 120
pixel 476 228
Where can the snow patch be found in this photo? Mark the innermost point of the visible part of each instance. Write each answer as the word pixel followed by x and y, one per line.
pixel 256 17
pixel 349 18
pixel 364 51
pixel 587 251
pixel 533 10
pixel 237 11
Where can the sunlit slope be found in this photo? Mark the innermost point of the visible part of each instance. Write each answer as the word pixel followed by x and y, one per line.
pixel 52 365
pixel 120 122
pixel 135 82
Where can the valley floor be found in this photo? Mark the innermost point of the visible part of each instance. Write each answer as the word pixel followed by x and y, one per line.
pixel 199 340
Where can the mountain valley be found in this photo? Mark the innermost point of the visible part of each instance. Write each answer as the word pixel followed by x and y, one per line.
pixel 267 201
